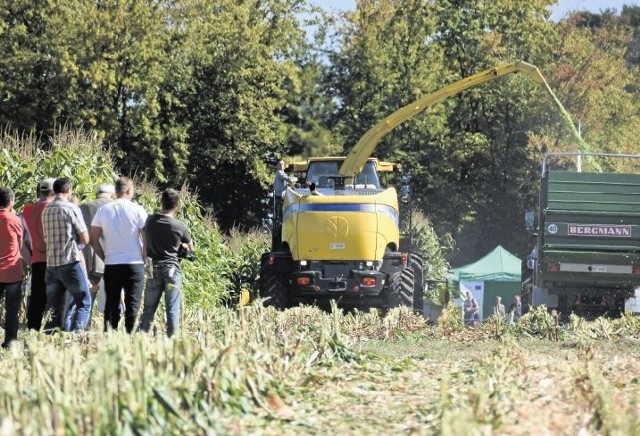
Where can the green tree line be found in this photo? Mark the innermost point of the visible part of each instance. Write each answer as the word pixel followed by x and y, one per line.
pixel 211 92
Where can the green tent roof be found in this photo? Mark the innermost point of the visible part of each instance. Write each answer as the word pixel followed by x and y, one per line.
pixel 499 266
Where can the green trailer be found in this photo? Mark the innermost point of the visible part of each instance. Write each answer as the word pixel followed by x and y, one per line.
pixel 587 252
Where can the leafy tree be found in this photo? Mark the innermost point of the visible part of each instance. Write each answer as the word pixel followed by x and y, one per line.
pixel 33 84
pixel 116 60
pixel 308 111
pixel 100 65
pixel 308 105
pixel 383 62
pixel 240 54
pixel 630 16
pixel 489 125
pixel 596 83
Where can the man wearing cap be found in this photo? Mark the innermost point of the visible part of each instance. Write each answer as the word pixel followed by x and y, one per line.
pixel 95 265
pixel 64 229
pixel 11 272
pixel 34 234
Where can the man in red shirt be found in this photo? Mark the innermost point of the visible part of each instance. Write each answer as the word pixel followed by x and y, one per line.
pixel 32 216
pixel 11 272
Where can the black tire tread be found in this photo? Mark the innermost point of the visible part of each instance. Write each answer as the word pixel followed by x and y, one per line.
pixel 273 287
pixel 400 289
pixel 418 284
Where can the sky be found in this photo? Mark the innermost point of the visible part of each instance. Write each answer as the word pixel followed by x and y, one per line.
pixel 559 11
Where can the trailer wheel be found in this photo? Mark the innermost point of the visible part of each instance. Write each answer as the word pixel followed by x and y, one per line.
pixel 564 309
pixel 274 287
pixel 618 307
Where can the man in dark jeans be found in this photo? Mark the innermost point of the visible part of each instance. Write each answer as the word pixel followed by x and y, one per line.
pixel 64 229
pixel 32 216
pixel 470 309
pixel 95 265
pixel 10 264
pixel 120 224
pixel 164 234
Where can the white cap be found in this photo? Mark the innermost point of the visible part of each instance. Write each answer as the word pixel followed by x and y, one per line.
pixel 46 185
pixel 106 188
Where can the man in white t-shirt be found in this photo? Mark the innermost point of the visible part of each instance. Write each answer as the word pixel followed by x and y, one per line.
pixel 120 225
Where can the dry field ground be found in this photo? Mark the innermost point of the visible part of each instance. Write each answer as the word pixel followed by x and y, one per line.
pixel 430 386
pixel 303 371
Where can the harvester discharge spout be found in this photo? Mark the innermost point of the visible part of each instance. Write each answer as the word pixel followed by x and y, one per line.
pixel 364 148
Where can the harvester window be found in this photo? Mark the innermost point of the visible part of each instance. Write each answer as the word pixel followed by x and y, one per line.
pixel 325 182
pixel 321 169
pixel 325 175
pixel 368 178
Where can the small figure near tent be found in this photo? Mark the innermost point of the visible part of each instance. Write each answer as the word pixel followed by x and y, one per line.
pixel 498 309
pixel 470 310
pixel 515 310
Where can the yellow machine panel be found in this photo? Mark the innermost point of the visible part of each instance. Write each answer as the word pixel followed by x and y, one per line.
pixel 340 227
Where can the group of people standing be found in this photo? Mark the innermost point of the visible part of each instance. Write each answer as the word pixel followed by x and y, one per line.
pixel 471 309
pixel 75 249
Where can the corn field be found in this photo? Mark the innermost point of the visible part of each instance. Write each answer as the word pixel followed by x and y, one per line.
pixel 304 370
pixel 219 272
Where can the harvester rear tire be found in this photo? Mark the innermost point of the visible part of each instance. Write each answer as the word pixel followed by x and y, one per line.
pixel 400 289
pixel 418 285
pixel 274 287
